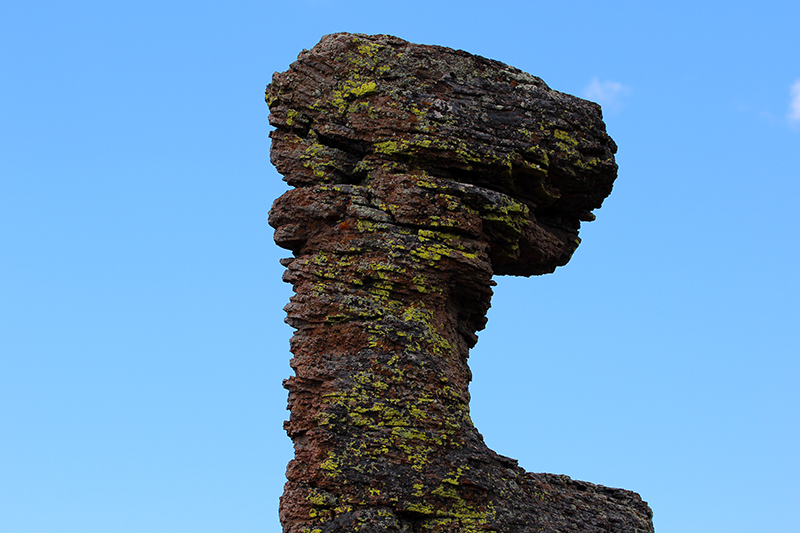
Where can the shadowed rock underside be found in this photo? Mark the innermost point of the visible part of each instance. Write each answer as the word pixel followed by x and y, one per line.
pixel 418 173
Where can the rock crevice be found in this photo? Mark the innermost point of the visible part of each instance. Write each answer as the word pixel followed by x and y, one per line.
pixel 418 173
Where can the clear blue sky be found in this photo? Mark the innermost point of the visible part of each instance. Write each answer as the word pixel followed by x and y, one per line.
pixel 142 343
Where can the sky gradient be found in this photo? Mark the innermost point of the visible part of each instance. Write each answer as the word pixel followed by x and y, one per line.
pixel 142 343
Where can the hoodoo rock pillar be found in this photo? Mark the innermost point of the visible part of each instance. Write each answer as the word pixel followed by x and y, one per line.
pixel 419 173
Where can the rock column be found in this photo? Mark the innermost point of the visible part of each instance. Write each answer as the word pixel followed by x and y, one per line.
pixel 418 173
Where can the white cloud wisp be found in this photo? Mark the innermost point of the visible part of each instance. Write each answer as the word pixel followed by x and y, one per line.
pixel 794 105
pixel 608 94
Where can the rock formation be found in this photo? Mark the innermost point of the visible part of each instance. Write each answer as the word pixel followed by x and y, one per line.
pixel 418 173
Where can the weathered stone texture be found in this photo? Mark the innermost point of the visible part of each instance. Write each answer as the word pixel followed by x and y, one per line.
pixel 419 172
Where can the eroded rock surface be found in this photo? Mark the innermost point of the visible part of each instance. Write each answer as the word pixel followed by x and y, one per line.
pixel 419 172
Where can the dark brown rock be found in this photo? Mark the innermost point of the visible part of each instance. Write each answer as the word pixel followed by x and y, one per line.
pixel 419 173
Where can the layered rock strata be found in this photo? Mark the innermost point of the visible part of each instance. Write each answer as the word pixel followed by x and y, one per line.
pixel 418 173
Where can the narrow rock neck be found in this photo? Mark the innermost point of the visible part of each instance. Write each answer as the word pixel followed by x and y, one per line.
pixel 385 314
pixel 382 342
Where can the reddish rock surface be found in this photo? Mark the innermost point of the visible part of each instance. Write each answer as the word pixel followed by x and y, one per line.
pixel 419 172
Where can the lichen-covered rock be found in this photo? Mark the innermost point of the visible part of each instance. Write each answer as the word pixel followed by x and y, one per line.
pixel 419 172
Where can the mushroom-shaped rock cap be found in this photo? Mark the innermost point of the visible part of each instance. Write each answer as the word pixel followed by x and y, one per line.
pixel 358 107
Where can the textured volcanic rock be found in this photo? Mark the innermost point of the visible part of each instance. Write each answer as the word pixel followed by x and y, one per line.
pixel 419 172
